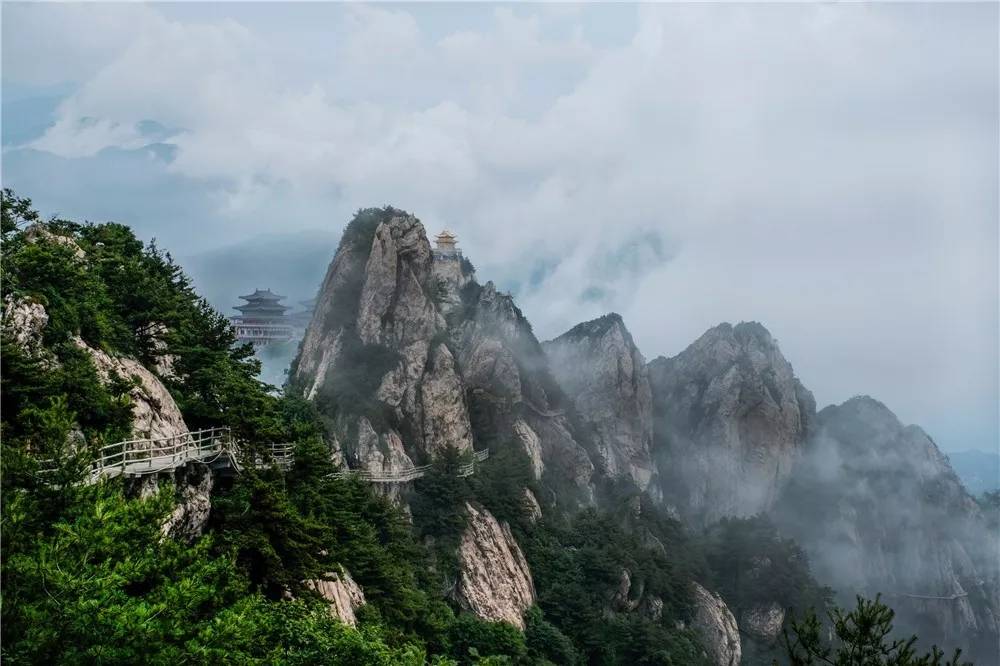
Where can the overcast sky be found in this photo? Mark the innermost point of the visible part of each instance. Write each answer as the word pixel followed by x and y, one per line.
pixel 829 170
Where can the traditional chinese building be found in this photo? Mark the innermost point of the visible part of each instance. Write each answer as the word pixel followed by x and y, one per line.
pixel 445 243
pixel 262 319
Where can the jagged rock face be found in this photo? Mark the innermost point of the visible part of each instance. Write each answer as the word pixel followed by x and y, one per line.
pixel 763 621
pixel 490 342
pixel 449 278
pixel 380 454
pixel 323 340
pixel 23 321
pixel 879 510
pixel 531 445
pixel 511 385
pixel 377 299
pixel 442 396
pixel 715 623
pixel 533 508
pixel 730 419
pixel 494 582
pixel 343 596
pixel 629 596
pixel 394 306
pixel 652 607
pixel 601 369
pixel 155 415
pixel 386 294
pixel 193 484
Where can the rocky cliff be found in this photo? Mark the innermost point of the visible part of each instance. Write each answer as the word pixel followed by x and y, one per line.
pixel 715 623
pixel 154 412
pixel 730 418
pixel 155 415
pixel 342 594
pixel 495 582
pixel 880 511
pixel 603 372
pixel 373 356
pixel 513 393
pixel 407 354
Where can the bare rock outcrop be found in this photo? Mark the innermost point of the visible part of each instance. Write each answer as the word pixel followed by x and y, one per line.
pixel 193 485
pixel 23 322
pixel 730 419
pixel 494 582
pixel 531 505
pixel 715 623
pixel 442 396
pixel 450 274
pixel 380 454
pixel 376 319
pixel 154 336
pixel 437 348
pixel 603 372
pixel 531 445
pixel 512 389
pixel 154 412
pixel 763 621
pixel 343 596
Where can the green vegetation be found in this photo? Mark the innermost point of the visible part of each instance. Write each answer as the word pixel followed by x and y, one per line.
pixel 862 637
pixel 102 587
pixel 751 564
pixel 87 577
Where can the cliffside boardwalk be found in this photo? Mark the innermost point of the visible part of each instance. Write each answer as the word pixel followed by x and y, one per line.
pixel 141 457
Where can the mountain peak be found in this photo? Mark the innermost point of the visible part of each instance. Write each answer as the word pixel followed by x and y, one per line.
pixel 600 368
pixel 596 328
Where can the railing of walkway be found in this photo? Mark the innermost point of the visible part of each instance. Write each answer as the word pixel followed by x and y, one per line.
pixel 139 457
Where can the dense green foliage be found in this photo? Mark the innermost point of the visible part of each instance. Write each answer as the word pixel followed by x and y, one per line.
pixel 578 566
pixel 861 637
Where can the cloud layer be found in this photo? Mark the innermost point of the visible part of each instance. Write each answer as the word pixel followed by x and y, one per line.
pixel 829 170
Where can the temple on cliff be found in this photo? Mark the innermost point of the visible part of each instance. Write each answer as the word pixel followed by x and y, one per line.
pixel 262 319
pixel 444 246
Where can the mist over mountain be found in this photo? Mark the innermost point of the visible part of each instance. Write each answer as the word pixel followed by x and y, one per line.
pixel 290 264
pixel 408 355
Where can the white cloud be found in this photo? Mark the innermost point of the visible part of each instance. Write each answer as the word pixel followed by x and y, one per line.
pixel 828 170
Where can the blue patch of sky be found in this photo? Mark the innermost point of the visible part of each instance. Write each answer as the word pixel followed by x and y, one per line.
pixel 27 111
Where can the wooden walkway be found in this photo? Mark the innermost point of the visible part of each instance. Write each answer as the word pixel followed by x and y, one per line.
pixel 141 457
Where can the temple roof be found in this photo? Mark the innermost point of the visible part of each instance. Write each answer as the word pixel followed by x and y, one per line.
pixel 262 295
pixel 261 307
pixel 445 236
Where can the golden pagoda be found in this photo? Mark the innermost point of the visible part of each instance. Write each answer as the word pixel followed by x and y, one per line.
pixel 445 244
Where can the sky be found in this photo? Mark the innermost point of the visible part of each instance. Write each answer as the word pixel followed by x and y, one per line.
pixel 830 170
